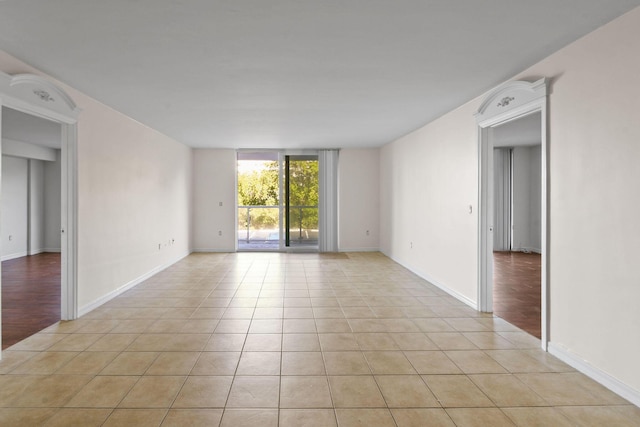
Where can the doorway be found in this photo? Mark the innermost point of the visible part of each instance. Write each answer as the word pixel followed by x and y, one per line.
pixel 506 104
pixel 516 218
pixel 36 97
pixel 31 218
pixel 277 201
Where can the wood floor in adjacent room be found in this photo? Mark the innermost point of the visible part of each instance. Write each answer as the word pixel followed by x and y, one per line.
pixel 516 289
pixel 30 296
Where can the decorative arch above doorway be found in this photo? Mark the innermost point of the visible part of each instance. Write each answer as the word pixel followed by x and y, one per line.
pixel 37 96
pixel 509 102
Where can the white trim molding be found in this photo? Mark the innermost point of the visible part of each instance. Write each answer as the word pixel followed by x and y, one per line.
pixel 598 375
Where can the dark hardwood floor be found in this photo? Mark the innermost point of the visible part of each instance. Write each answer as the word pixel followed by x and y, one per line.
pixel 30 296
pixel 516 289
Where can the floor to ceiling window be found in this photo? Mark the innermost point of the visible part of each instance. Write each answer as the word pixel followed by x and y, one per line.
pixel 277 201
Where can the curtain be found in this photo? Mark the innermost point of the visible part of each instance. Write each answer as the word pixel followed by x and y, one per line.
pixel 328 200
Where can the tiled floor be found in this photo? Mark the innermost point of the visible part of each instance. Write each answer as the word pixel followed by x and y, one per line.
pixel 264 340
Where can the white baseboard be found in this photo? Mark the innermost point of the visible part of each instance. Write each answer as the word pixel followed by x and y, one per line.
pixel 111 295
pixel 14 256
pixel 359 250
pixel 441 286
pixel 216 250
pixel 52 250
pixel 594 373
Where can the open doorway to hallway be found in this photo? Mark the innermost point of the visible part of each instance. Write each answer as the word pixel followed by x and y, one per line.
pixel 277 201
pixel 30 225
pixel 517 232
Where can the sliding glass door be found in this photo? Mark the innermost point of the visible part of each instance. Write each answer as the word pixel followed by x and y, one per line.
pixel 277 201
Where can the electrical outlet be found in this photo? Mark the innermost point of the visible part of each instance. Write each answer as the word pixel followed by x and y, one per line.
pixel 220 204
pixel 367 232
pixel 410 245
pixel 159 246
pixel 219 232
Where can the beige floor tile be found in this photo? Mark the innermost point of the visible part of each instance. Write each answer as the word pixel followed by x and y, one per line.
pixel 204 392
pixel 259 363
pixel 233 326
pixel 217 363
pixel 187 342
pixel 433 325
pixel 254 392
pixel 517 361
pixel 305 392
pixel 38 342
pixel 325 326
pixel 300 342
pixel 479 417
pixel 594 416
pixel 432 362
pixel 25 416
pixel 507 390
pixel 135 417
pixel 328 313
pixel 165 326
pixel 226 342
pixel 153 392
pixel 560 389
pixel 76 417
pixel 521 339
pixel 173 363
pixel 130 363
pixel 346 363
pixel 451 341
pixel 45 363
pixel 552 363
pixel 475 362
pixel 466 325
pixel 488 340
pixel 456 391
pixel 406 391
pixel 367 325
pixel 49 391
pixel 537 417
pixel 263 342
pixel 13 359
pixel 376 341
pixel 112 342
pixel 388 362
pixel 103 392
pixel 338 342
pixel 299 326
pixel 208 312
pixel 400 326
pixel 355 392
pixel 238 313
pixel 418 417
pixel 302 363
pixel 193 418
pixel 414 341
pixel 149 342
pixel 298 313
pixel 268 313
pixel 364 418
pixel 200 326
pixel 87 363
pixel 249 418
pixel 307 418
pixel 266 326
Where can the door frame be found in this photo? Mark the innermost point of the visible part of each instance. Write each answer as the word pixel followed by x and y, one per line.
pixel 37 96
pixel 509 102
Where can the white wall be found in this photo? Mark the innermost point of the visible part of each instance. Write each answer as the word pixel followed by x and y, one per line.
pixel 526 231
pixel 52 206
pixel 134 196
pixel 214 182
pixel 428 181
pixel 593 200
pixel 359 200
pixel 14 207
pixel 36 207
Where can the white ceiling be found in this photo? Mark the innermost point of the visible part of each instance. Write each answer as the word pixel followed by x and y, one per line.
pixel 291 73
